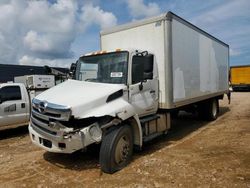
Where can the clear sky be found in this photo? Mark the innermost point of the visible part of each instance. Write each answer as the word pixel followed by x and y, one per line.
pixel 57 32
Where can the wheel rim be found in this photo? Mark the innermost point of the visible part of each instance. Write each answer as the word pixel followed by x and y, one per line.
pixel 122 150
pixel 214 110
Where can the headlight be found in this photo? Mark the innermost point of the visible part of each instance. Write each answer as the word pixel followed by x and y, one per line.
pixel 95 132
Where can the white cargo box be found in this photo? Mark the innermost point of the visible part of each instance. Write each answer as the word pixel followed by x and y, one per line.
pixel 193 65
pixel 36 81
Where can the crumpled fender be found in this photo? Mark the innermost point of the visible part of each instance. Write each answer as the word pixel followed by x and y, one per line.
pixel 122 109
pixel 116 108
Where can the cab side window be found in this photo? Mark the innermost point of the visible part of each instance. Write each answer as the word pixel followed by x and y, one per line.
pixel 9 93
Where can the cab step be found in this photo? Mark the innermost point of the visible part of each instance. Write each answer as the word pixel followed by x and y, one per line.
pixel 149 118
pixel 152 136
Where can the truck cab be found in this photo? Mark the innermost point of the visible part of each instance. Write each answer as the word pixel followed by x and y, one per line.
pixel 112 94
pixel 14 105
pixel 133 69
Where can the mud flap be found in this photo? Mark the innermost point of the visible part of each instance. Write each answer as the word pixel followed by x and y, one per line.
pixel 229 96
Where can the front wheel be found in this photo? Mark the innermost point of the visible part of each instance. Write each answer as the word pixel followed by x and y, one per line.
pixel 116 149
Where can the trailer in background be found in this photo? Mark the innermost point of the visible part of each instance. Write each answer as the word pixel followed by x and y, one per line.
pixel 240 77
pixel 36 84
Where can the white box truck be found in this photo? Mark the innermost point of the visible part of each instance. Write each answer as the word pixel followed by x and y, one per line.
pixel 124 95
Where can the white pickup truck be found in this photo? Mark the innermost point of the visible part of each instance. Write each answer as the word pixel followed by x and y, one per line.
pixel 14 105
pixel 15 99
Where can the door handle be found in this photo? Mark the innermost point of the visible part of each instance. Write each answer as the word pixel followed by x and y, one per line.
pixel 152 91
pixel 22 105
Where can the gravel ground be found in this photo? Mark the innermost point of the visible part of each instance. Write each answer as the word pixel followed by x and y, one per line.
pixel 195 153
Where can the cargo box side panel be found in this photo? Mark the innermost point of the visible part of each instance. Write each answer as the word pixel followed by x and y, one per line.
pixel 200 64
pixel 148 37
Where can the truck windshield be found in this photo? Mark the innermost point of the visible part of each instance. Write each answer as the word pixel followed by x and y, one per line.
pixel 104 68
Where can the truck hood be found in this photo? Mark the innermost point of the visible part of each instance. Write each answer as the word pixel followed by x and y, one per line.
pixel 82 97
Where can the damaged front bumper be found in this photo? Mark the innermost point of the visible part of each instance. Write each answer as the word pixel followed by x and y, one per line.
pixel 64 141
pixel 47 131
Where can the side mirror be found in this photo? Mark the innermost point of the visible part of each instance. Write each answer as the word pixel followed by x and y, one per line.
pixel 148 67
pixel 72 70
pixel 137 69
pixel 1 99
pixel 141 86
pixel 47 69
pixel 142 68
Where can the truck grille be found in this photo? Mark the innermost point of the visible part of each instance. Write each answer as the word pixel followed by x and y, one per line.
pixel 43 113
pixel 47 113
pixel 34 125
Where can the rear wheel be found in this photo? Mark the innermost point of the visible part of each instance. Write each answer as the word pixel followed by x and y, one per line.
pixel 116 149
pixel 209 110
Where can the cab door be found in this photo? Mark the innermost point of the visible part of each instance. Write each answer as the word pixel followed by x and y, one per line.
pixel 143 91
pixel 13 107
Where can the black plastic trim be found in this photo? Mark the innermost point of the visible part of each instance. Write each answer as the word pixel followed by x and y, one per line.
pixel 115 95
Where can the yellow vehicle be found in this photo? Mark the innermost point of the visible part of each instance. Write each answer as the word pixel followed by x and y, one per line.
pixel 240 77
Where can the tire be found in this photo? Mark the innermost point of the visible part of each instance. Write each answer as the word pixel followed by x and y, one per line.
pixel 116 149
pixel 213 110
pixel 209 110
